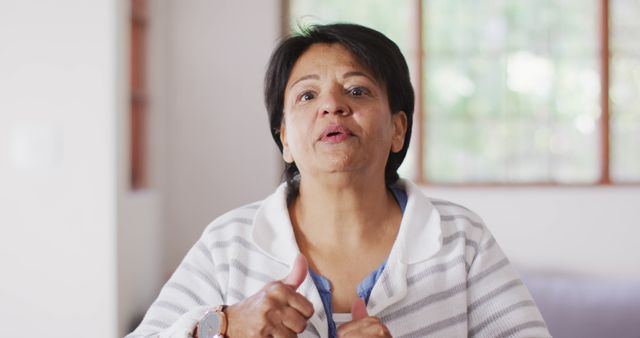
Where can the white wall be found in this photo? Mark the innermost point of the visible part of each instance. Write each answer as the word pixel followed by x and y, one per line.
pixel 575 230
pixel 58 116
pixel 219 150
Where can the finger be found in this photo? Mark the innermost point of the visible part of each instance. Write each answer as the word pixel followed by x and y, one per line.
pixel 293 320
pixel 367 325
pixel 281 331
pixel 298 272
pixel 358 309
pixel 349 328
pixel 284 295
pixel 300 304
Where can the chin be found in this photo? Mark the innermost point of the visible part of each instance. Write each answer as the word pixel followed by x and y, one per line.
pixel 345 165
pixel 340 163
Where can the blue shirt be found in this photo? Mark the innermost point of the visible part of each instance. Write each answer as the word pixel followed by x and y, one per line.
pixel 364 288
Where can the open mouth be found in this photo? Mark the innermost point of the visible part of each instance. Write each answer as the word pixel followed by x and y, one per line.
pixel 335 134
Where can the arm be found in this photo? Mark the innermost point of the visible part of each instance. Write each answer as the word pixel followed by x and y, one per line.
pixel 189 293
pixel 499 304
pixel 277 309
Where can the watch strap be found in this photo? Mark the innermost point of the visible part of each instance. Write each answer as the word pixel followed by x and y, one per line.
pixel 219 310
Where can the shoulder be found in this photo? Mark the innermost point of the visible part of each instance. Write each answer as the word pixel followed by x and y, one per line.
pixel 452 228
pixel 461 228
pixel 455 213
pixel 457 219
pixel 451 215
pixel 238 221
pixel 228 238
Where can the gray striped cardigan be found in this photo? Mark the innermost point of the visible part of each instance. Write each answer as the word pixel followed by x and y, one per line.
pixel 445 276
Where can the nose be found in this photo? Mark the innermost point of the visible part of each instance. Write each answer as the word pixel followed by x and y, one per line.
pixel 334 102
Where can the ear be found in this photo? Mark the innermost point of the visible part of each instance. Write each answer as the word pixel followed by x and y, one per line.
pixel 399 121
pixel 286 154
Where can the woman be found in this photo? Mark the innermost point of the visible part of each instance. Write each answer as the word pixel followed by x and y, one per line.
pixel 344 247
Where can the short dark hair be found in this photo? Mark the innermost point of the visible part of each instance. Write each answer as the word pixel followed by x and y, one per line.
pixel 372 48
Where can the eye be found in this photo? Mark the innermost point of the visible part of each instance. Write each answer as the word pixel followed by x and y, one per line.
pixel 306 96
pixel 358 91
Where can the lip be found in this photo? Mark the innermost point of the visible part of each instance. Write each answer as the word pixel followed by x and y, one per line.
pixel 335 133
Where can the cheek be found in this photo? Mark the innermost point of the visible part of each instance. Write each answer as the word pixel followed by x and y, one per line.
pixel 379 129
pixel 297 132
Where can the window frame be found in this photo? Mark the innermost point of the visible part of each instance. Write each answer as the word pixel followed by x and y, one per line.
pixel 138 95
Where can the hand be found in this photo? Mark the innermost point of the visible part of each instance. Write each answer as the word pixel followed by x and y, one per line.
pixel 362 325
pixel 277 310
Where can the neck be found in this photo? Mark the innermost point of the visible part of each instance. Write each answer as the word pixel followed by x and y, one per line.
pixel 343 212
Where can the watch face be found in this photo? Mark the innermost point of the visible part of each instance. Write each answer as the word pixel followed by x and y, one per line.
pixel 209 325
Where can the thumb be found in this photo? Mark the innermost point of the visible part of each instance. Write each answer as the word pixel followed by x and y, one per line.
pixel 358 310
pixel 298 272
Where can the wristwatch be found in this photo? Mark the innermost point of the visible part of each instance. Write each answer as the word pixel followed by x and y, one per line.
pixel 213 324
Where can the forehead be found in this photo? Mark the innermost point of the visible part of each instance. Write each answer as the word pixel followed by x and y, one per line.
pixel 321 57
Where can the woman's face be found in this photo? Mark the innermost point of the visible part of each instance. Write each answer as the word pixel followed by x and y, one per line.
pixel 336 115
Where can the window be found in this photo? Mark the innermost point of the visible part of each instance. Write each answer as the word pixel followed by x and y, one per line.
pixel 511 91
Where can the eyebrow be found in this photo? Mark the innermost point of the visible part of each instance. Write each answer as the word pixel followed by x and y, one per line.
pixel 356 73
pixel 346 75
pixel 306 77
